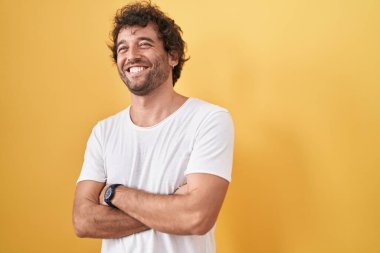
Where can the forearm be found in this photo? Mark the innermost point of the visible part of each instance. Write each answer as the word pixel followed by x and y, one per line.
pixel 91 219
pixel 97 221
pixel 192 210
pixel 173 214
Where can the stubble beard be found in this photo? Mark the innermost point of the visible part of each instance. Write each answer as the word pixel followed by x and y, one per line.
pixel 155 77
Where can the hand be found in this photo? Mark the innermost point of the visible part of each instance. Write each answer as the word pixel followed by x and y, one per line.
pixel 101 195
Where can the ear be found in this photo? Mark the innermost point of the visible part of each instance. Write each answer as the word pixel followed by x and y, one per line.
pixel 173 58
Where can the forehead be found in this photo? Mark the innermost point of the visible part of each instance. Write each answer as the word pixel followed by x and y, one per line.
pixel 136 32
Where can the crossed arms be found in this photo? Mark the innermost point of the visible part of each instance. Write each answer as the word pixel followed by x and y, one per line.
pixel 192 210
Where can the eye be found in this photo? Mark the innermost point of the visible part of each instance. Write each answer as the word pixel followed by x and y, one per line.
pixel 121 49
pixel 145 44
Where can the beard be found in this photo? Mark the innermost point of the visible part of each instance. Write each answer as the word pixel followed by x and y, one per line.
pixel 154 78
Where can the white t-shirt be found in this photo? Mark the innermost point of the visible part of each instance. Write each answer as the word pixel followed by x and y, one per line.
pixel 197 138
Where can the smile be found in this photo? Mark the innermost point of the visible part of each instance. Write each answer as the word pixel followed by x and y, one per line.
pixel 136 69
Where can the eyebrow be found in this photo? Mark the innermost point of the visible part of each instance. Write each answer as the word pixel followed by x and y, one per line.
pixel 146 38
pixel 139 39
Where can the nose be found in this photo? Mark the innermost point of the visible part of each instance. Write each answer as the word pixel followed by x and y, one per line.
pixel 133 54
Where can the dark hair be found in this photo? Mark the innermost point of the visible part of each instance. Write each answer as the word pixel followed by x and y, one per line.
pixel 143 13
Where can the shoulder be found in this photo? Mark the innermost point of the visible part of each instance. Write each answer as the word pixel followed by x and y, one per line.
pixel 206 107
pixel 203 110
pixel 115 118
pixel 109 124
pixel 199 114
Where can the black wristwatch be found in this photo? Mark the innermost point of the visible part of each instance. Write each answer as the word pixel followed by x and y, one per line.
pixel 110 192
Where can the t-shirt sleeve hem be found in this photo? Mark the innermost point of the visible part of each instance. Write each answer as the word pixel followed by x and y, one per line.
pixel 100 180
pixel 225 177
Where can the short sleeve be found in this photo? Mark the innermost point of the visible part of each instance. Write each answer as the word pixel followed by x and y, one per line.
pixel 93 164
pixel 213 147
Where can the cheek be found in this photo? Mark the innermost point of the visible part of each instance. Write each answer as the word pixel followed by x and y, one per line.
pixel 121 58
pixel 120 62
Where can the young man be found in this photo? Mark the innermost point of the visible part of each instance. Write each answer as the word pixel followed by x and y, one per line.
pixel 154 175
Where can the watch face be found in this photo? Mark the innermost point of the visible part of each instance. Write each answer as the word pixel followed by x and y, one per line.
pixel 108 193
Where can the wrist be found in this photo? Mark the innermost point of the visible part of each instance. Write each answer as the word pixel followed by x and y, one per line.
pixel 119 198
pixel 110 194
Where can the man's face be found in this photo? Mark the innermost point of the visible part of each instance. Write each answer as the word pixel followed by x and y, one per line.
pixel 142 61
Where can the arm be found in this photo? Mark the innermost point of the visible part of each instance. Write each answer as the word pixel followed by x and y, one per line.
pixel 90 219
pixel 192 210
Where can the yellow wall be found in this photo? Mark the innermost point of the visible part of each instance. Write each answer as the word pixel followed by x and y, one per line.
pixel 301 79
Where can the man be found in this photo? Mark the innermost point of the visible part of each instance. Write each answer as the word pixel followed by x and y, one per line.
pixel 154 175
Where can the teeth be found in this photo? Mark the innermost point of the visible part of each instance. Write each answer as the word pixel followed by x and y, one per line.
pixel 136 69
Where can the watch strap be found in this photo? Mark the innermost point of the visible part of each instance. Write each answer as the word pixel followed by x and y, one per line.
pixel 110 192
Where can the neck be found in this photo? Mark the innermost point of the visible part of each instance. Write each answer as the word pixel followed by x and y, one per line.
pixel 151 109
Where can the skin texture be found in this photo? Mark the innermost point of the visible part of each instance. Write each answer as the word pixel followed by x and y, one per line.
pixel 191 211
pixel 194 208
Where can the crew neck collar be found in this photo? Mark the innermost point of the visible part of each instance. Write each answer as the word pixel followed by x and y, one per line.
pixel 162 122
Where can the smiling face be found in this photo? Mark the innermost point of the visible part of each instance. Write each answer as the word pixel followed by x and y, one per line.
pixel 142 61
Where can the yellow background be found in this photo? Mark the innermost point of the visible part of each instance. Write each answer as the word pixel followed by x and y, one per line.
pixel 301 79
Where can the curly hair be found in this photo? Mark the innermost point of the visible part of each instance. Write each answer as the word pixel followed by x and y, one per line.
pixel 141 14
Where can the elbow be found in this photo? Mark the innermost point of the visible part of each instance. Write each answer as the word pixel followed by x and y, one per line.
pixel 202 229
pixel 201 224
pixel 79 225
pixel 79 232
